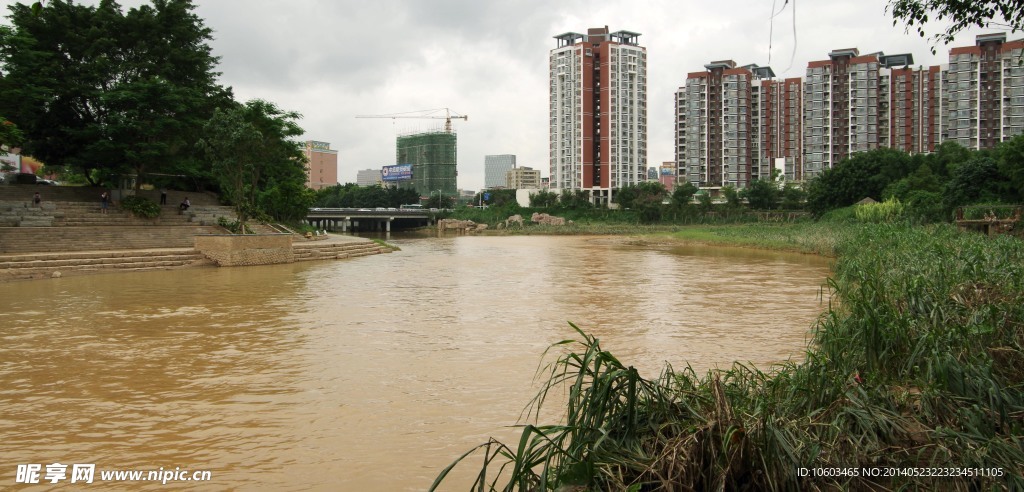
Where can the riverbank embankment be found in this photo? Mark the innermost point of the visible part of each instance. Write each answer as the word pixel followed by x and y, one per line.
pixel 913 379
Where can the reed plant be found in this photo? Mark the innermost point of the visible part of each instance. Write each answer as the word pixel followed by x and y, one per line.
pixel 887 211
pixel 916 367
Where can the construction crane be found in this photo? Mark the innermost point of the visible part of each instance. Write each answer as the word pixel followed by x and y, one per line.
pixel 423 114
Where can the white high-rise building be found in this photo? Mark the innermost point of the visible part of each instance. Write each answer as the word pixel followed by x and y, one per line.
pixel 598 112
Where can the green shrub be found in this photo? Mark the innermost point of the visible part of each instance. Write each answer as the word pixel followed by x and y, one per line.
pixel 141 206
pixel 887 211
pixel 233 225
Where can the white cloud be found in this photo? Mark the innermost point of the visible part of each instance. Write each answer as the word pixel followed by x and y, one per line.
pixel 332 60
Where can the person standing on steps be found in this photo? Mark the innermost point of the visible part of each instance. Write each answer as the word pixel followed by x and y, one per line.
pixel 163 196
pixel 104 201
pixel 36 199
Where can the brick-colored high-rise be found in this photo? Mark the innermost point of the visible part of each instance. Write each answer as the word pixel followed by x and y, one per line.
pixel 735 124
pixel 598 112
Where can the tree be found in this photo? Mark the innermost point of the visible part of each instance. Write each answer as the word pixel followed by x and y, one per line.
pixel 575 199
pixel 793 196
pixel 97 88
pixel 544 199
pixel 762 194
pixel 958 15
pixel 732 196
pixel 438 200
pixel 646 198
pixel 704 201
pixel 975 181
pixel 640 194
pixel 10 135
pixel 495 197
pixel 247 142
pixel 864 174
pixel 683 193
pixel 920 180
pixel 1010 155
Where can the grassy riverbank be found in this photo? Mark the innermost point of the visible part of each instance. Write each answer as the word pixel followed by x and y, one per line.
pixel 918 370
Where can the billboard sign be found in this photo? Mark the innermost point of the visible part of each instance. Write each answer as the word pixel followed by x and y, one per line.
pixel 400 172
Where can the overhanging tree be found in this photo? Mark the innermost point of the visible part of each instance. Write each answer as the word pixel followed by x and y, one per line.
pixel 958 14
pixel 245 144
pixel 98 88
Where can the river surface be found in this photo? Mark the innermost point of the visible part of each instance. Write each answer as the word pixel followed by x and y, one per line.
pixel 371 373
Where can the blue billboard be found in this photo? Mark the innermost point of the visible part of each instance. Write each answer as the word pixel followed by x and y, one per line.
pixel 400 172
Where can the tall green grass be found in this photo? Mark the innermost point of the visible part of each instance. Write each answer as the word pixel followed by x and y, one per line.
pixel 918 366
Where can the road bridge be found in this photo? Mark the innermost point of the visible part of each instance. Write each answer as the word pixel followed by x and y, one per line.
pixel 370 219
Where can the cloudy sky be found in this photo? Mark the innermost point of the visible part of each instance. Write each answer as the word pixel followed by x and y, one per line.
pixel 333 60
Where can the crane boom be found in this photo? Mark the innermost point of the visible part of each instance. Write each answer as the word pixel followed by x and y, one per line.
pixel 412 114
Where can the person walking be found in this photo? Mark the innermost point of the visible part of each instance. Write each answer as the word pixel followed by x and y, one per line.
pixel 104 201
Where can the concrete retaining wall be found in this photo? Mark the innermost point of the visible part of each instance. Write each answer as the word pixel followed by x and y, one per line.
pixel 248 249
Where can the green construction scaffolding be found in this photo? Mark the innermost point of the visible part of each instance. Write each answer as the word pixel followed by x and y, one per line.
pixel 433 159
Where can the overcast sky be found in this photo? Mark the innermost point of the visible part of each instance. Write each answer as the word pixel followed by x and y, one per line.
pixel 333 60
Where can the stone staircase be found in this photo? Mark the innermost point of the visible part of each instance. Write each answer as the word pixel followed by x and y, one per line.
pixel 210 214
pixel 99 238
pixel 68 235
pixel 15 214
pixel 325 250
pixel 46 265
pixel 75 214
pixel 90 194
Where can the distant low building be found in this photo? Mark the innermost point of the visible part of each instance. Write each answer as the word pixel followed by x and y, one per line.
pixel 523 178
pixel 323 164
pixel 495 169
pixel 368 177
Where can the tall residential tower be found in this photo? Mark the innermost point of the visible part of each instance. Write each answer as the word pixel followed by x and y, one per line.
pixel 598 112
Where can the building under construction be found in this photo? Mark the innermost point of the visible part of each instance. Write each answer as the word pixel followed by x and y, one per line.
pixel 433 159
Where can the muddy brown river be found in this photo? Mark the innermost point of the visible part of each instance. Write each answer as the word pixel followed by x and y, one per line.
pixel 365 374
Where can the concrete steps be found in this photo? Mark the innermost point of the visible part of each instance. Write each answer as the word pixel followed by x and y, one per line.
pixel 99 238
pixel 335 250
pixel 45 265
pixel 89 194
pixel 211 214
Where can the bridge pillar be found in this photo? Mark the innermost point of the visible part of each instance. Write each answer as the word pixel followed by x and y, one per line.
pixel 388 225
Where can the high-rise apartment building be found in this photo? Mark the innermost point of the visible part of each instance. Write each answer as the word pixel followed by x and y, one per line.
pixel 855 103
pixel 322 170
pixel 719 134
pixel 736 124
pixel 598 112
pixel 778 142
pixel 495 169
pixel 985 92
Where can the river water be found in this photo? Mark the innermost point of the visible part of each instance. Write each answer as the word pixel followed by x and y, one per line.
pixel 365 374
